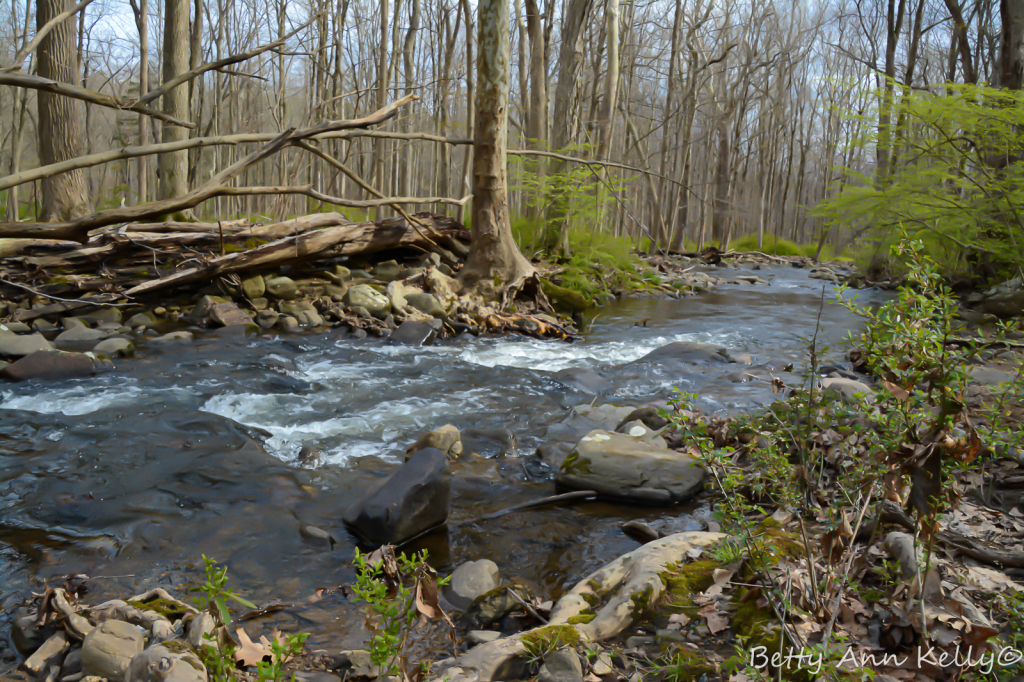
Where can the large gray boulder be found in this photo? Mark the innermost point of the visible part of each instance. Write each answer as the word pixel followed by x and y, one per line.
pixel 411 501
pixel 228 314
pixel 109 649
pixel 411 333
pixel 625 467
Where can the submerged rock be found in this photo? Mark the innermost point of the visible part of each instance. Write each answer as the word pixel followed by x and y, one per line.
pixel 583 380
pixel 687 352
pixel 414 334
pixel 493 605
pixel 630 468
pixel 411 501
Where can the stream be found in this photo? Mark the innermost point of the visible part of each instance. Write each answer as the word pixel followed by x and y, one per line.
pixel 193 449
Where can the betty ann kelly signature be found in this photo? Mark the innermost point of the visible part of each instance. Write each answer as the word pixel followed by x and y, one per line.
pixel 760 658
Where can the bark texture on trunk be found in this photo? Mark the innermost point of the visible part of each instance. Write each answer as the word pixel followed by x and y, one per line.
pixel 174 165
pixel 1011 46
pixel 64 196
pixel 493 254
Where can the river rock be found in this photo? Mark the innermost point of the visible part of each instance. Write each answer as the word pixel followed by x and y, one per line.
pixel 49 364
pixel 25 634
pixel 441 285
pixel 267 318
pixel 583 380
pixel 339 273
pixel 446 439
pixel 115 348
pixel 198 628
pixel 582 419
pixel 49 654
pixel 140 320
pixel 365 296
pixel 470 580
pixel 355 664
pixel 428 304
pixel 201 310
pixel 254 287
pixel 561 666
pixel 649 415
pixel 823 273
pixel 846 388
pixel 637 429
pixel 387 271
pixel 412 333
pixel 687 352
pixel 72 663
pixel 303 311
pixel 43 325
pixel 173 337
pixel 281 287
pixel 103 315
pixel 397 291
pixel 628 468
pixel 166 662
pixel 1005 304
pixel 488 442
pixel 109 649
pixel 492 606
pixel 482 636
pixel 554 453
pixel 227 314
pixel 72 322
pixel 14 346
pixel 411 501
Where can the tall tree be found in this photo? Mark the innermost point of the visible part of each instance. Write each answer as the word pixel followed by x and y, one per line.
pixel 493 253
pixel 174 165
pixel 64 196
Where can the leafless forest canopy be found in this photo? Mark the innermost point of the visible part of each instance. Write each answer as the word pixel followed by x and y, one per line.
pixel 729 117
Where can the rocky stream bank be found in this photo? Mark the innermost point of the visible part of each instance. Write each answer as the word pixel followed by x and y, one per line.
pixel 678 596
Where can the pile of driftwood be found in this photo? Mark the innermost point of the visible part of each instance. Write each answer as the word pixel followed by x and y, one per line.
pixel 132 262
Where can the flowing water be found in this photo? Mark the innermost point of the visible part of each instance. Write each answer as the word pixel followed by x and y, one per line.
pixel 130 476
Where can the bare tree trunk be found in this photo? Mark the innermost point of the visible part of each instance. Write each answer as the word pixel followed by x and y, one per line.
pixel 467 159
pixel 493 254
pixel 141 11
pixel 64 196
pixel 566 119
pixel 383 77
pixel 538 122
pixel 174 165
pixel 1011 46
pixel 606 117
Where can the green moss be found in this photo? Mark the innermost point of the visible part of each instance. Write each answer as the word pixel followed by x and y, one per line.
pixel 685 580
pixel 582 619
pixel 167 609
pixel 563 299
pixel 550 637
pixel 642 602
pixel 574 465
pixel 592 599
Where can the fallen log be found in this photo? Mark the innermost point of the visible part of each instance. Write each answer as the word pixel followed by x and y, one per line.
pixel 344 240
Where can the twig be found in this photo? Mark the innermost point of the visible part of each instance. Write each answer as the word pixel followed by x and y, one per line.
pixel 63 300
pixel 529 609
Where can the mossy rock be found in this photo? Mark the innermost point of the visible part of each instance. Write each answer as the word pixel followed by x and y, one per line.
pixel 549 638
pixel 581 619
pixel 564 299
pixel 168 609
